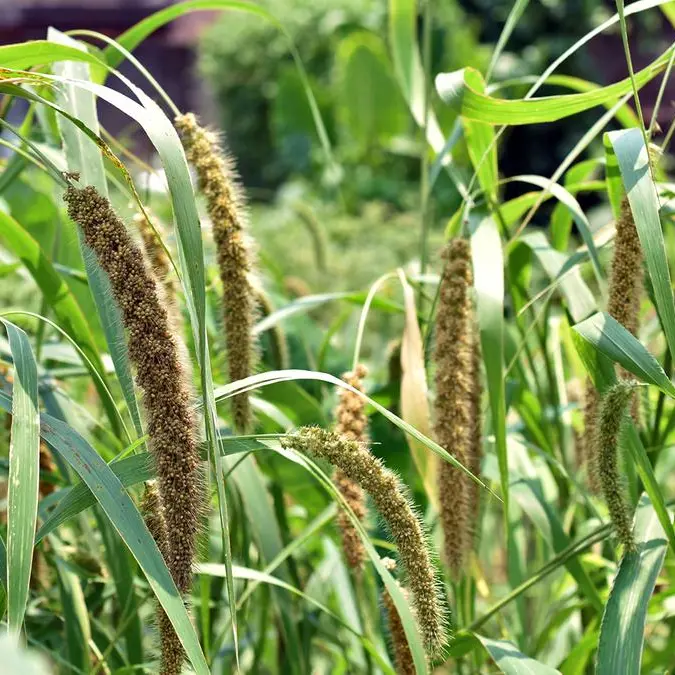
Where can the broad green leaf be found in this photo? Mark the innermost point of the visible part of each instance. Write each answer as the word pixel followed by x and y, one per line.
pixel 633 159
pixel 622 632
pixel 24 475
pixel 511 661
pixel 458 90
pixel 482 146
pixel 41 52
pixel 126 519
pixel 612 339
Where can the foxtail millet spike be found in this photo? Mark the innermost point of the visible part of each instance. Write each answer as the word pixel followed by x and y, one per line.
pixel 218 182
pixel 403 659
pixel 612 411
pixel 153 351
pixel 389 496
pixel 626 285
pixel 587 449
pixel 352 423
pixel 454 415
pixel 172 653
pixel 476 445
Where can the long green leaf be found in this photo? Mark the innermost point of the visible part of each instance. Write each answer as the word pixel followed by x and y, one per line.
pixel 622 632
pixel 24 475
pixel 457 89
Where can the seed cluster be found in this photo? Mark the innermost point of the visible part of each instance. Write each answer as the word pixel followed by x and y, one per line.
pixel 352 423
pixel 389 496
pixel 218 182
pixel 586 443
pixel 155 354
pixel 403 659
pixel 172 649
pixel 612 411
pixel 457 405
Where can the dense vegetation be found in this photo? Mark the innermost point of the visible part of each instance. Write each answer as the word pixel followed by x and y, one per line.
pixel 342 393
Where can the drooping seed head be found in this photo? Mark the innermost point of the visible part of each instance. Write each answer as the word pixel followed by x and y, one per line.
pixel 219 183
pixel 390 499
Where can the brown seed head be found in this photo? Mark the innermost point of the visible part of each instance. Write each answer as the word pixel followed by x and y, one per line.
pixel 218 182
pixel 389 496
pixel 455 404
pixel 586 448
pixel 154 353
pixel 403 659
pixel 352 423
pixel 172 653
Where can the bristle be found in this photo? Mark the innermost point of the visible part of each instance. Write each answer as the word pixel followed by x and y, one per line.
pixel 352 423
pixel 612 410
pixel 389 496
pixel 455 425
pixel 153 351
pixel 218 182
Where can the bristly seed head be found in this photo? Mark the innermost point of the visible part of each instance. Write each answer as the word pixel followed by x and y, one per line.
pixel 154 353
pixel 457 404
pixel 405 665
pixel 389 496
pixel 611 417
pixel 219 183
pixel 352 423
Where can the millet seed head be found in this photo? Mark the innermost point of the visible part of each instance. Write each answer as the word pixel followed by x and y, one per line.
pixel 154 353
pixel 352 423
pixel 587 448
pixel 455 405
pixel 397 638
pixel 611 416
pixel 219 183
pixel 390 498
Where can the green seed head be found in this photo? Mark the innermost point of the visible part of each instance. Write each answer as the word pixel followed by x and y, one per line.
pixel 612 412
pixel 390 499
pixel 218 182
